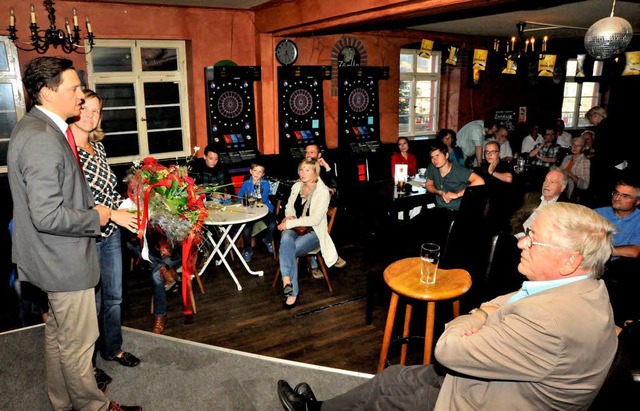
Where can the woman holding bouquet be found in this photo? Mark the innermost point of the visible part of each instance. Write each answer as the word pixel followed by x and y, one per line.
pixel 102 180
pixel 304 227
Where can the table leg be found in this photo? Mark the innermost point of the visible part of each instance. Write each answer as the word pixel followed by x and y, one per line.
pixel 388 329
pixel 456 308
pixel 428 332
pixel 405 333
pixel 216 251
pixel 232 246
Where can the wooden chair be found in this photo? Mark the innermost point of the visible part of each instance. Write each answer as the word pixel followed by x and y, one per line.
pixel 331 215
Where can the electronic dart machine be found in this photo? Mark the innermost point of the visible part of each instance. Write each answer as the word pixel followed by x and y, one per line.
pixel 231 116
pixel 359 122
pixel 301 108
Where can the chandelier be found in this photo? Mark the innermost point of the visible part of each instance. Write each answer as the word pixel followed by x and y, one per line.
pixel 608 36
pixel 41 40
pixel 520 46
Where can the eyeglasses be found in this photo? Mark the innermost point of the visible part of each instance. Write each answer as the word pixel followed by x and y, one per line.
pixel 528 242
pixel 623 195
pixel 491 152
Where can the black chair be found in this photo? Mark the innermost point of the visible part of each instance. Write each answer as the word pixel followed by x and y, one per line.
pixel 501 274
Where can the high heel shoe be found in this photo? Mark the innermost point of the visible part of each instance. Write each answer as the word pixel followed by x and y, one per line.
pixel 290 306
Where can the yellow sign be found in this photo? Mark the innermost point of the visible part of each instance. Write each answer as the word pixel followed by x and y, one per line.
pixel 511 68
pixel 480 59
pixel 545 65
pixel 453 56
pixel 425 49
pixel 632 66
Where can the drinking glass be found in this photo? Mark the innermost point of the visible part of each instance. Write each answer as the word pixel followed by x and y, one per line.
pixel 429 259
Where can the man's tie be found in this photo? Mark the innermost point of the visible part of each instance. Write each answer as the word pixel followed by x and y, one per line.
pixel 74 148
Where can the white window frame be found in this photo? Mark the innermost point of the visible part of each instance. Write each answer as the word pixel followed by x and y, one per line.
pixel 578 109
pixel 414 77
pixel 138 78
pixel 12 76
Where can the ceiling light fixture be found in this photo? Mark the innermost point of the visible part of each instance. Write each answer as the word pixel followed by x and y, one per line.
pixel 608 37
pixel 519 46
pixel 41 40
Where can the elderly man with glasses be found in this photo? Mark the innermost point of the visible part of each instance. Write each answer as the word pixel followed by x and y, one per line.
pixel 547 346
pixel 621 274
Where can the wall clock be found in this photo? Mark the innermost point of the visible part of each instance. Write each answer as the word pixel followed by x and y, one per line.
pixel 286 52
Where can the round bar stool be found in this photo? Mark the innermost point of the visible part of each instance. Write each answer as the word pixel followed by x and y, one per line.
pixel 403 277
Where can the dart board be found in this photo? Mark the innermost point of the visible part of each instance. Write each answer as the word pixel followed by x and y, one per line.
pixel 231 116
pixel 301 107
pixel 358 108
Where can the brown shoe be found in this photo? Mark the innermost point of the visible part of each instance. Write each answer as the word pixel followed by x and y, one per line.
pixel 158 324
pixel 340 263
pixel 114 406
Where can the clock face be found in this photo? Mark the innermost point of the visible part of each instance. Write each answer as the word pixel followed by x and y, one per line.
pixel 286 52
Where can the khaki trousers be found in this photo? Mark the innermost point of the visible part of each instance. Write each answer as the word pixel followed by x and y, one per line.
pixel 70 335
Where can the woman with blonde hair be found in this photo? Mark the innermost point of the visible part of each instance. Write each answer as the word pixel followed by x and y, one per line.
pixel 103 181
pixel 304 227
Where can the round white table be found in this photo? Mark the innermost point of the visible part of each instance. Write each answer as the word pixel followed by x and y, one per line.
pixel 226 216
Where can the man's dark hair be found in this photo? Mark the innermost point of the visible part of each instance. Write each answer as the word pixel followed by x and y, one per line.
pixel 438 145
pixel 209 148
pixel 630 182
pixel 44 72
pixel 490 122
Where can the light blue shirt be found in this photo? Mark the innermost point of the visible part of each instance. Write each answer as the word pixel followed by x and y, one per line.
pixel 627 228
pixel 534 287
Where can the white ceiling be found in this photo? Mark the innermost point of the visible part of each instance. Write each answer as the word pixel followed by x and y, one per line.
pixel 576 14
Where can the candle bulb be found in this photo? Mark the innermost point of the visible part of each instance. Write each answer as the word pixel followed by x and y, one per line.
pixel 75 18
pixel 533 44
pixel 544 43
pixel 12 18
pixel 526 45
pixel 513 43
pixel 33 15
pixel 66 23
pixel 88 25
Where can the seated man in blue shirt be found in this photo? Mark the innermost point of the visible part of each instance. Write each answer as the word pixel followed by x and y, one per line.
pixel 621 273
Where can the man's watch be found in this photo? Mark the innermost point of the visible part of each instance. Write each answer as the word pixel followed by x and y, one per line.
pixel 481 311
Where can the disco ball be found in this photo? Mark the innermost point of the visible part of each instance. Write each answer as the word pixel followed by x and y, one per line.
pixel 608 37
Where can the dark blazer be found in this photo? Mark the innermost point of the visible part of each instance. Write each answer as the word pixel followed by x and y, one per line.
pixel 55 228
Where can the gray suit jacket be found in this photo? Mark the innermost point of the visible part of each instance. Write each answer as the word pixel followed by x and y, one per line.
pixel 54 226
pixel 548 351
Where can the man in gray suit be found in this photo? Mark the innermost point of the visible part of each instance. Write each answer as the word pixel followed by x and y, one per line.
pixel 547 346
pixel 55 230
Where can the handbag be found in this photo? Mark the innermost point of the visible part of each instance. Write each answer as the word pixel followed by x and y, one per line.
pixel 302 230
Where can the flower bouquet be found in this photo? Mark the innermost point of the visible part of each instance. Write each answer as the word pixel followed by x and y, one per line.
pixel 171 205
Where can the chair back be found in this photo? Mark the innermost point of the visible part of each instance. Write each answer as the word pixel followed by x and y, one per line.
pixel 501 275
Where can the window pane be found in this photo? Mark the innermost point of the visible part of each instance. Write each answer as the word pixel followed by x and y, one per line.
pixel 590 89
pixel 403 124
pixel 4 62
pixel 115 120
pixel 429 65
pixel 406 62
pixel 424 88
pixel 159 59
pixel 8 119
pixel 568 105
pixel 165 141
pixel 116 95
pixel 121 144
pixel 570 89
pixel 111 59
pixel 572 66
pixel 405 89
pixel 163 117
pixel 161 93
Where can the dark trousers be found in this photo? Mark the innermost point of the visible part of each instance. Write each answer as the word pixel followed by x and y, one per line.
pixel 398 387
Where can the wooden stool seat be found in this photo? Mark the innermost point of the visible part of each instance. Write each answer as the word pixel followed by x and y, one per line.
pixel 403 277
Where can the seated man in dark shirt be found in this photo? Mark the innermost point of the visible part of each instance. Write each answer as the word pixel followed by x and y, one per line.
pixel 497 175
pixel 209 173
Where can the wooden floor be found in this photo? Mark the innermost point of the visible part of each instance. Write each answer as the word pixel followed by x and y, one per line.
pixel 325 328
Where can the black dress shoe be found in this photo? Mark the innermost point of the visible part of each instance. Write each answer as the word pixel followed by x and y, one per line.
pixel 102 379
pixel 114 406
pixel 127 359
pixel 305 390
pixel 290 400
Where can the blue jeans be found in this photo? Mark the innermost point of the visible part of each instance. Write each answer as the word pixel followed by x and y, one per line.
pixel 292 246
pixel 159 292
pixel 109 295
pixel 271 223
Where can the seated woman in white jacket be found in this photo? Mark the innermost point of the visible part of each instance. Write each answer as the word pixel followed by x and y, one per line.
pixel 306 207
